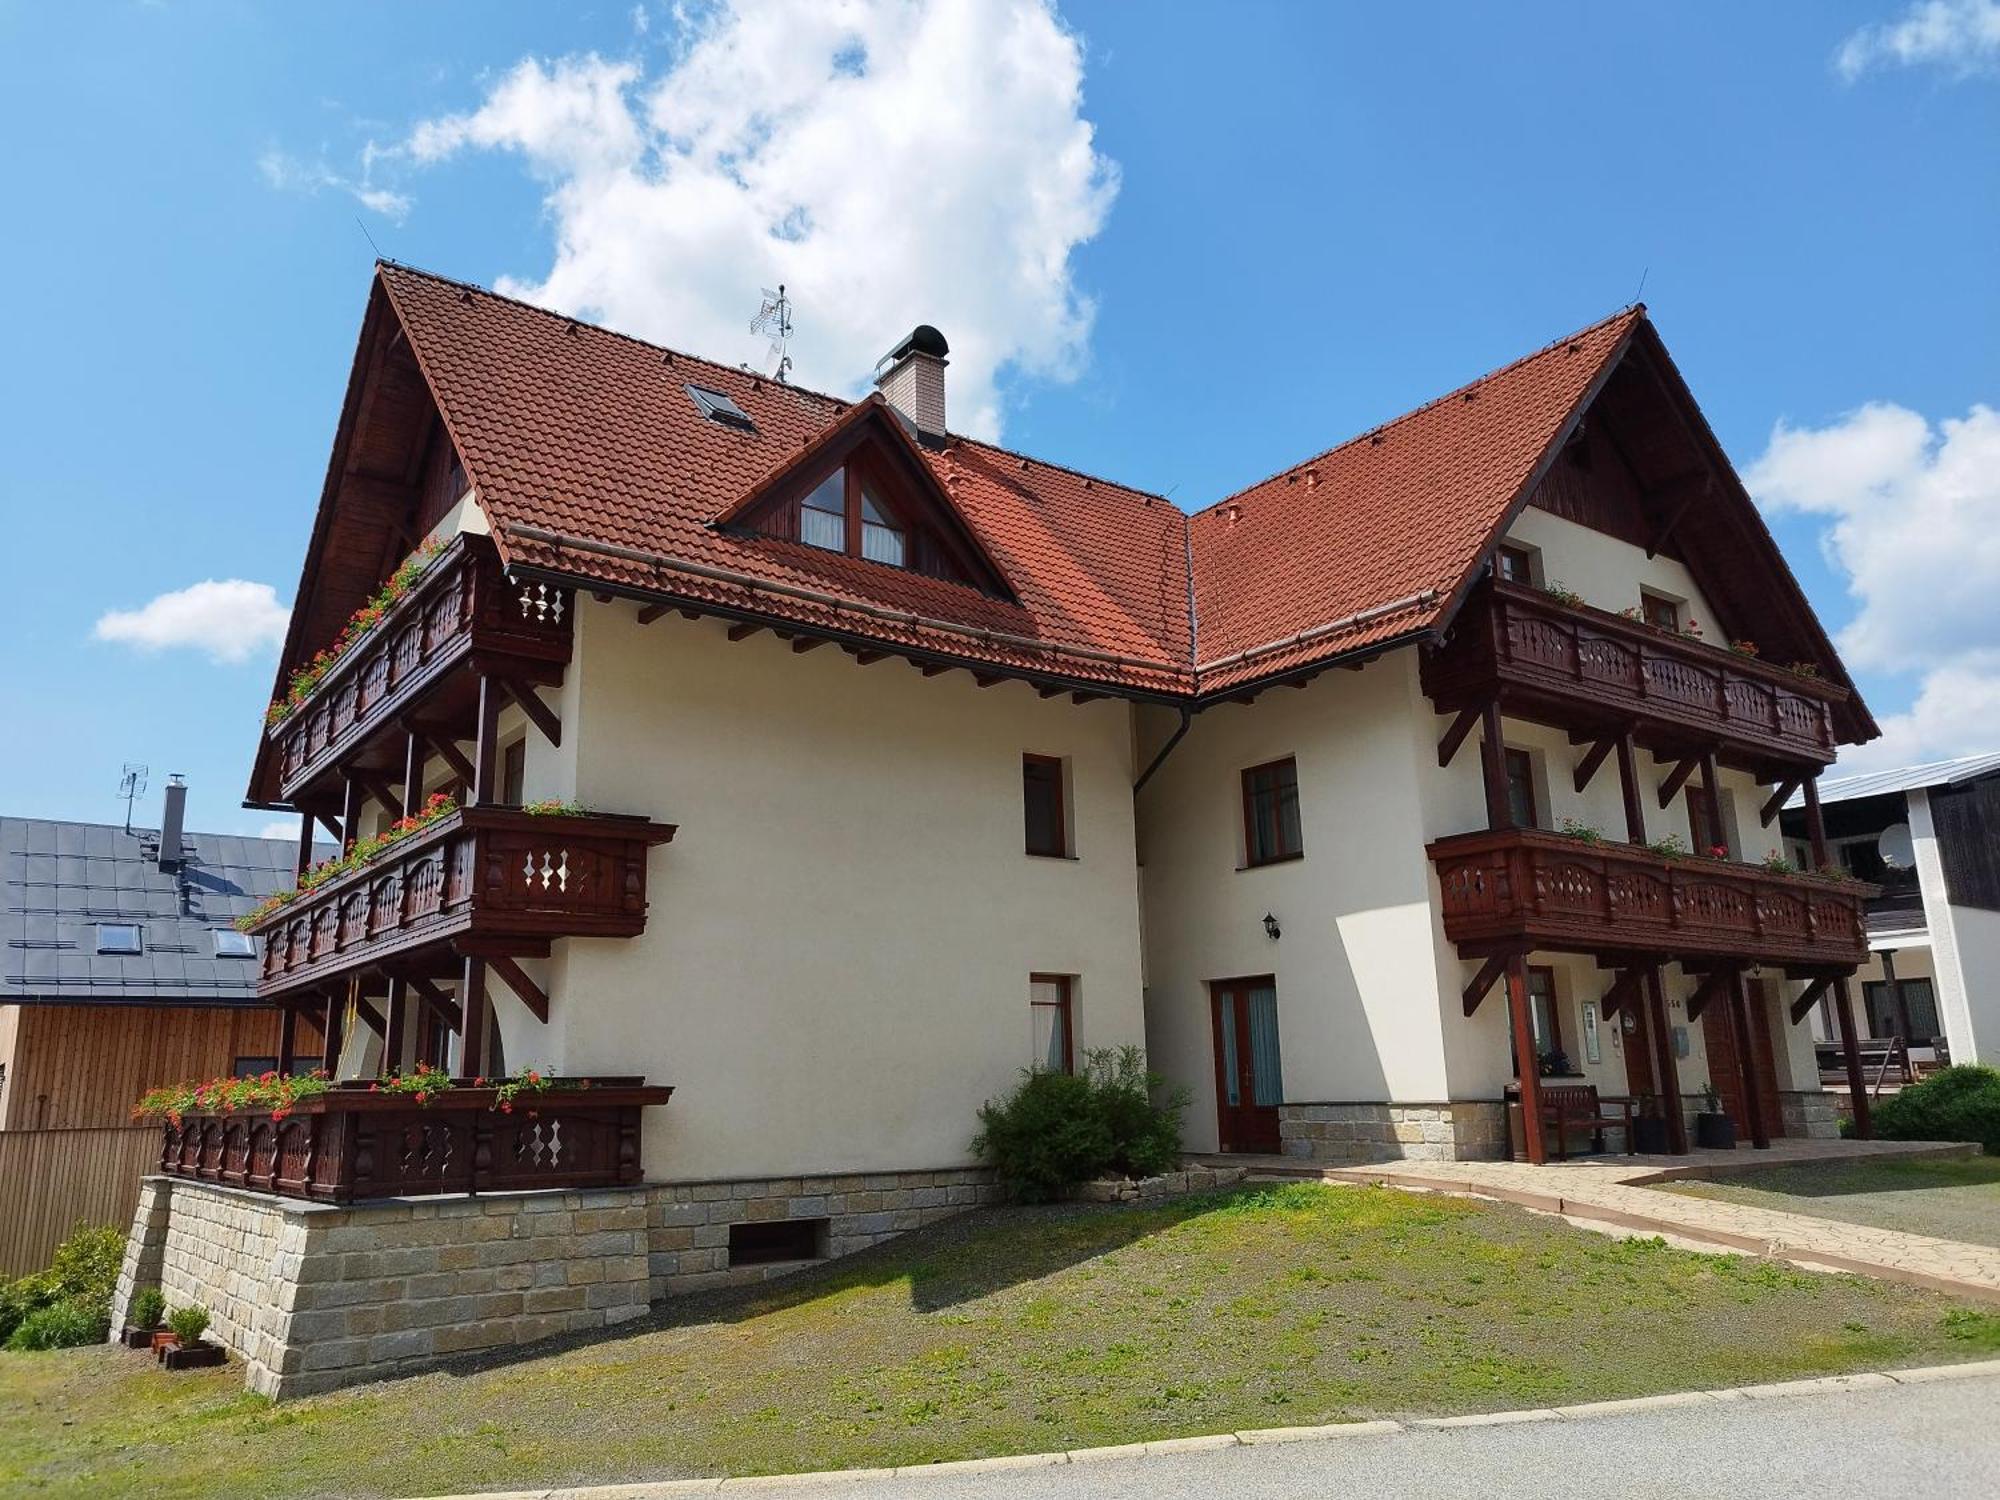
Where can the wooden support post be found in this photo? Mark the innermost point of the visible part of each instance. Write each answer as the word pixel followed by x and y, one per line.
pixel 305 843
pixel 398 1005
pixel 1455 736
pixel 1667 1064
pixel 1857 1088
pixel 1483 981
pixel 1493 766
pixel 1528 1060
pixel 472 1005
pixel 1628 784
pixel 1815 824
pixel 1711 795
pixel 486 744
pixel 414 762
pixel 1587 768
pixel 352 797
pixel 288 1033
pixel 335 1018
pixel 1745 1036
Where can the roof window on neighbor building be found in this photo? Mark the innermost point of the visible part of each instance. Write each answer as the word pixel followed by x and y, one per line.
pixel 232 944
pixel 118 937
pixel 719 408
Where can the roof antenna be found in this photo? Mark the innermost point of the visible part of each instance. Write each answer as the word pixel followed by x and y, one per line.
pixel 775 318
pixel 132 786
pixel 1644 272
pixel 369 237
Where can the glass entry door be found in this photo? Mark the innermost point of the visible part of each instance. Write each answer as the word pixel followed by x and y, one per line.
pixel 1249 1077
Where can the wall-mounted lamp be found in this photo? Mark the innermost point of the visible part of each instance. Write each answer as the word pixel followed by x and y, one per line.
pixel 1271 927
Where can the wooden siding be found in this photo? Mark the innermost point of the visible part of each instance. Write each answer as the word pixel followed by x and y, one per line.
pixel 52 1181
pixel 1967 819
pixel 1591 485
pixel 79 1066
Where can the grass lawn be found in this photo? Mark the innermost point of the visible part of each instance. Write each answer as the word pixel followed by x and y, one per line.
pixel 1006 1331
pixel 1955 1199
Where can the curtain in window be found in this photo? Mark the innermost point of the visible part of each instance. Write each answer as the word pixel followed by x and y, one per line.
pixel 1048 1010
pixel 881 541
pixel 1226 1004
pixel 823 514
pixel 1266 1074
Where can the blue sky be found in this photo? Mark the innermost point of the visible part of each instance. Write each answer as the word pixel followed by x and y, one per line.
pixel 1179 246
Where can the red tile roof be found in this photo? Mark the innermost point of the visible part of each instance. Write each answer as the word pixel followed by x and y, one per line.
pixel 572 432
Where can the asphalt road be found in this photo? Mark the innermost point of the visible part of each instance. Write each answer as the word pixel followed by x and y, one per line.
pixel 1912 1441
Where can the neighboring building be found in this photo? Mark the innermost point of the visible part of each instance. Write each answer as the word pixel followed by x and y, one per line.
pixel 122 968
pixel 1929 836
pixel 832 768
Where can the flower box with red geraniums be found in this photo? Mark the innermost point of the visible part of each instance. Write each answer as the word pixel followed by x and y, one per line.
pixel 277 1093
pixel 302 682
pixel 353 857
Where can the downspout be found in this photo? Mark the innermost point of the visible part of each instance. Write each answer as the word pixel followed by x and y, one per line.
pixel 1194 655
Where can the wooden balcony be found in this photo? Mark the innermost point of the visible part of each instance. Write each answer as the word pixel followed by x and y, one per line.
pixel 461 618
pixel 496 876
pixel 349 1144
pixel 1509 889
pixel 1592 672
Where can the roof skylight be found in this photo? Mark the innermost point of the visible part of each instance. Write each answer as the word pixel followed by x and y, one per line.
pixel 232 944
pixel 118 937
pixel 719 408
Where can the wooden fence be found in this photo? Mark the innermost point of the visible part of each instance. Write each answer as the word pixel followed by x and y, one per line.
pixel 53 1180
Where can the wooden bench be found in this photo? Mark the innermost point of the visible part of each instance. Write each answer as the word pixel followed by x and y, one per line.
pixel 1569 1104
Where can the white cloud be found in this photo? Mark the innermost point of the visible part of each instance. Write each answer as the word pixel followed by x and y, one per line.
pixel 291 175
pixel 890 163
pixel 283 828
pixel 1914 511
pixel 230 619
pixel 1960 36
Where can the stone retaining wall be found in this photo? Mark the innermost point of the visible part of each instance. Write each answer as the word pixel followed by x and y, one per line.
pixel 1166 1185
pixel 1809 1114
pixel 1463 1130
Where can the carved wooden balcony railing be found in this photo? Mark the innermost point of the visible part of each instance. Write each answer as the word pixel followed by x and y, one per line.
pixel 1585 669
pixel 461 612
pixel 494 873
pixel 1513 888
pixel 350 1144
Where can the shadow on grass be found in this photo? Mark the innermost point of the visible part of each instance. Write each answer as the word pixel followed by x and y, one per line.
pixel 1863 1178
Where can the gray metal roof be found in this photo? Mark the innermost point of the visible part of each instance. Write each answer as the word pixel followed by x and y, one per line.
pixel 59 881
pixel 1908 779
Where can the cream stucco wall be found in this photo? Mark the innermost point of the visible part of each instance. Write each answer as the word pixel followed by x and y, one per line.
pixel 834 973
pixel 1607 572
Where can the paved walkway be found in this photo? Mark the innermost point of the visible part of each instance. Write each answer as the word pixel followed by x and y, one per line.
pixel 1612 1190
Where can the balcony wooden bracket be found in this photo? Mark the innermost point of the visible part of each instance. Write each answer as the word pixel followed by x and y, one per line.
pixel 1623 990
pixel 531 994
pixel 1483 982
pixel 1677 779
pixel 376 788
pixel 443 746
pixel 330 823
pixel 1802 1007
pixel 1778 800
pixel 442 1005
pixel 1587 767
pixel 1714 985
pixel 539 713
pixel 371 1017
pixel 1456 735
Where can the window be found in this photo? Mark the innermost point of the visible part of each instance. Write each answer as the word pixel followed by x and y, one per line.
pixel 232 944
pixel 1545 1016
pixel 1271 813
pixel 823 514
pixel 1659 611
pixel 1513 563
pixel 719 408
pixel 1521 789
pixel 881 538
pixel 1052 1036
pixel 776 1240
pixel 514 772
pixel 1042 800
pixel 253 1067
pixel 1885 1018
pixel 118 937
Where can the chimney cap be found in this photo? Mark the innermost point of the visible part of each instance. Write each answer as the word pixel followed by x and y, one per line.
pixel 923 339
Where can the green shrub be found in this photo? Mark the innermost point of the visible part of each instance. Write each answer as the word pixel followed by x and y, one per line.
pixel 148 1308
pixel 1957 1104
pixel 1057 1130
pixel 83 1272
pixel 61 1325
pixel 188 1324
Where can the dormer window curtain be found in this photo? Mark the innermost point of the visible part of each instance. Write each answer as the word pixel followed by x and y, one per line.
pixel 843 513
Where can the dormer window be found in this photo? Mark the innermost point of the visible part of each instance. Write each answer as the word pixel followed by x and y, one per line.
pixel 843 513
pixel 881 538
pixel 823 514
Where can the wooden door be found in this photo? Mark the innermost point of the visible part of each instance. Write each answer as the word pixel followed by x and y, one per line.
pixel 1725 1069
pixel 1249 1081
pixel 1636 1037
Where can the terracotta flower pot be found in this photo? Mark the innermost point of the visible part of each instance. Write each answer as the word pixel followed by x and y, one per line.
pixel 165 1339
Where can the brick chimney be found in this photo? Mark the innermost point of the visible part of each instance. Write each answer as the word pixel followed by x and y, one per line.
pixel 911 378
pixel 172 817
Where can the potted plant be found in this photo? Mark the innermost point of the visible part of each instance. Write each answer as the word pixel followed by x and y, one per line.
pixel 1714 1130
pixel 142 1318
pixel 189 1352
pixel 1649 1128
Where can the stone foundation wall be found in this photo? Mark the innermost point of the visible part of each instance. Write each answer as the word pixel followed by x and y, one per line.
pixel 311 1297
pixel 1156 1189
pixel 687 1223
pixel 1462 1130
pixel 1809 1114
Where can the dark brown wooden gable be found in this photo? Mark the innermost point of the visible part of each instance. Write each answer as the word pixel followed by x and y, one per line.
pixel 938 541
pixel 1591 484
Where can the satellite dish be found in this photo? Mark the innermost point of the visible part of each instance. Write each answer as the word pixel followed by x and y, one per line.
pixel 1896 846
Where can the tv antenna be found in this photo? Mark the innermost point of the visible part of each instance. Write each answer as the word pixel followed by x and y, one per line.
pixel 131 787
pixel 775 318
